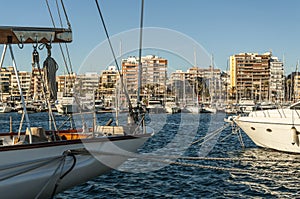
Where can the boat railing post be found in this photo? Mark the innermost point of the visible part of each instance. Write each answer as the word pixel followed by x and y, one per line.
pixel 268 113
pixel 283 112
pixel 297 113
pixel 21 93
pixel 279 113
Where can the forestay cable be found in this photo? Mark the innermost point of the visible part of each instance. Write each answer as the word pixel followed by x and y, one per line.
pixel 61 49
pixel 116 62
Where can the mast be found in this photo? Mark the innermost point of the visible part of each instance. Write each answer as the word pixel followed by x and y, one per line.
pixel 196 79
pixel 140 57
pixel 296 82
pixel 184 97
pixel 282 97
pixel 211 79
pixel 1 64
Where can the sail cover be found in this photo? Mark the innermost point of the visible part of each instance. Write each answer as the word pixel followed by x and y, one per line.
pixel 50 67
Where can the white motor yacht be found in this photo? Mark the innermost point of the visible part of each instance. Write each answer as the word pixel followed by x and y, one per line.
pixel 277 129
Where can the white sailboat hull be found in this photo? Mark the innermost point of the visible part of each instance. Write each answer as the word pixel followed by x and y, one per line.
pixel 272 129
pixel 172 109
pixel 208 110
pixel 5 109
pixel 192 109
pixel 28 171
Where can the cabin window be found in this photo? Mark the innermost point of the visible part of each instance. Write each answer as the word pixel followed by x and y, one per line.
pixel 252 128
pixel 269 130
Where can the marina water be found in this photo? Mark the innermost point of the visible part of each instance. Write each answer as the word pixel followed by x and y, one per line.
pixel 175 133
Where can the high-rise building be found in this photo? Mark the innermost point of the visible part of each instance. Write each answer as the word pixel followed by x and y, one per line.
pixel 277 79
pixel 87 83
pixel 5 79
pixel 65 85
pixel 296 86
pixel 25 81
pixel 293 87
pixel 206 82
pixel 107 85
pixel 154 74
pixel 37 84
pixel 250 76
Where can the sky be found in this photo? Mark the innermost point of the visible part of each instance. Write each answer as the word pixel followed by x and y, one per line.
pixel 200 28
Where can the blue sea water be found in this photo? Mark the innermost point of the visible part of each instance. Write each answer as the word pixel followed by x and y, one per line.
pixel 140 178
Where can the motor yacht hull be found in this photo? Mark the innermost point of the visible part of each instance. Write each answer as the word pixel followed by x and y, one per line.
pixel 273 129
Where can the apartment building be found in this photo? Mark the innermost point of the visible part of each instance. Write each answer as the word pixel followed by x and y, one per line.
pixel 207 73
pixel 154 74
pixel 25 81
pixel 292 88
pixel 207 81
pixel 37 84
pixel 277 79
pixel 65 84
pixel 250 76
pixel 108 81
pixel 5 79
pixel 296 87
pixel 31 83
pixel 87 83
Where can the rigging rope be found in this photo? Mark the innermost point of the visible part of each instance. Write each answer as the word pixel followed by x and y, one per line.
pixel 37 164
pixel 117 65
pixel 60 46
pixel 196 158
pixel 69 25
pixel 68 153
pixel 164 159
pixel 211 135
pixel 66 15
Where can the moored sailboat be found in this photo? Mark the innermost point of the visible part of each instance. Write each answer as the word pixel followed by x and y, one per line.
pixel 39 163
pixel 5 108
